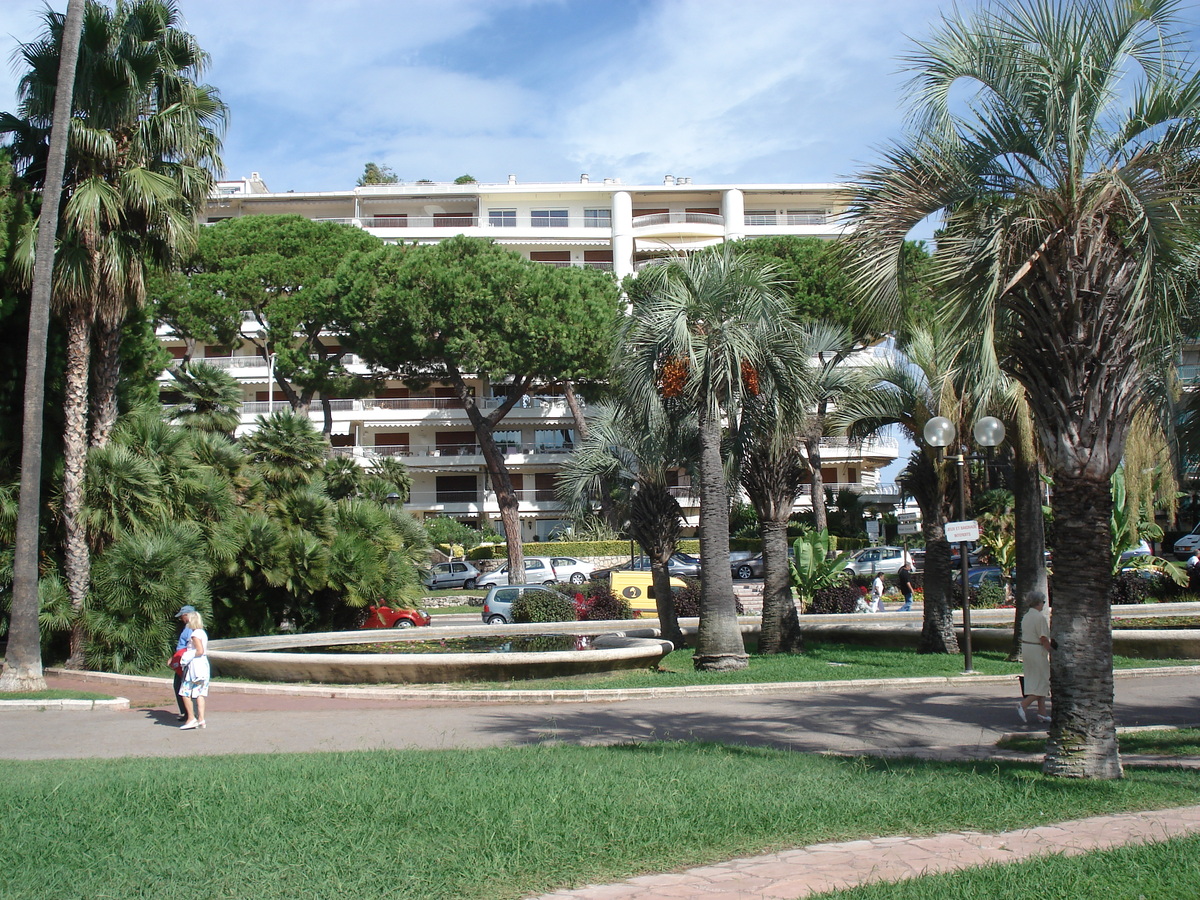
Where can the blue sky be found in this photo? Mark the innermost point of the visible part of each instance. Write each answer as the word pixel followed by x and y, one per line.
pixel 755 91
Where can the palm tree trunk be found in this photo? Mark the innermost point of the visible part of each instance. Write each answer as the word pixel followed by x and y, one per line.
pixel 1030 523
pixel 820 514
pixel 105 374
pixel 76 561
pixel 719 645
pixel 937 623
pixel 23 653
pixel 655 520
pixel 780 621
pixel 1083 734
pixel 664 601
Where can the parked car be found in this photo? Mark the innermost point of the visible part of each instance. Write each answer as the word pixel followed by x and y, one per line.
pixel 977 576
pixel 678 565
pixel 390 617
pixel 751 567
pixel 568 568
pixel 1142 549
pixel 538 570
pixel 454 574
pixel 1185 545
pixel 873 560
pixel 497 605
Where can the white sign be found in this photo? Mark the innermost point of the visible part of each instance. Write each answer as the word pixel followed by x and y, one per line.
pixel 908 528
pixel 908 515
pixel 962 531
pixel 872 528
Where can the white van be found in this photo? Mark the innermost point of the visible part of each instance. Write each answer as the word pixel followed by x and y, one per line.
pixel 1185 545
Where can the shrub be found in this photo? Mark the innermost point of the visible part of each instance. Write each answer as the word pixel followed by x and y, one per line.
pixel 601 604
pixel 543 606
pixel 687 599
pixel 1132 587
pixel 841 598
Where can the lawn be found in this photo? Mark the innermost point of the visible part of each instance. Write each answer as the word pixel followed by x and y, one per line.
pixel 494 823
pixel 1164 742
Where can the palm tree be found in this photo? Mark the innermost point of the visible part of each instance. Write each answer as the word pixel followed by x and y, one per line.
pixel 705 331
pixel 288 450
pixel 626 456
pixel 22 669
pixel 909 391
pixel 142 152
pixel 210 399
pixel 1068 184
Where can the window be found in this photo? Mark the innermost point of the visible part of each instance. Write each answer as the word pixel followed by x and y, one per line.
pixel 597 218
pixel 507 441
pixel 554 441
pixel 549 218
pixel 502 218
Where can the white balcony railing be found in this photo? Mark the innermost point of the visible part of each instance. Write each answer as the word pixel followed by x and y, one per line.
pixel 677 217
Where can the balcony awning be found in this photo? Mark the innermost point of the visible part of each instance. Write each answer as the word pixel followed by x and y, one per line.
pixel 539 240
pixel 340 427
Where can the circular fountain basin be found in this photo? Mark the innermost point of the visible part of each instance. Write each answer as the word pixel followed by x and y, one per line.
pixel 612 647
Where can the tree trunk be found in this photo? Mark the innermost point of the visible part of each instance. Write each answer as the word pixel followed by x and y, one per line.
pixel 937 623
pixel 719 645
pixel 780 621
pixel 23 653
pixel 1083 734
pixel 655 521
pixel 76 561
pixel 820 514
pixel 664 602
pixel 105 373
pixel 1030 523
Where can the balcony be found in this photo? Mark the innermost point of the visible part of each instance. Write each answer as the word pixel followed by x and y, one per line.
pixel 476 502
pixel 678 217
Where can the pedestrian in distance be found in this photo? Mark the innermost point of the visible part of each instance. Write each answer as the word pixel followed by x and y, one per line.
pixel 1035 658
pixel 181 645
pixel 1193 570
pixel 196 673
pixel 877 594
pixel 904 581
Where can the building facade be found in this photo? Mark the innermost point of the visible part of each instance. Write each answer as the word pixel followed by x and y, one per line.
pixel 603 224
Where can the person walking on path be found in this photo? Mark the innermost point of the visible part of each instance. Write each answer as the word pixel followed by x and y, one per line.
pixel 1192 567
pixel 877 594
pixel 904 581
pixel 1035 657
pixel 181 645
pixel 196 672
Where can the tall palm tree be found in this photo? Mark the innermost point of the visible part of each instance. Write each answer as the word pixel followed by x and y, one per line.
pixel 909 390
pixel 142 152
pixel 633 458
pixel 1068 182
pixel 704 332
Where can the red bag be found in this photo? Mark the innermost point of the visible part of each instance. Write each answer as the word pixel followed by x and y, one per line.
pixel 175 660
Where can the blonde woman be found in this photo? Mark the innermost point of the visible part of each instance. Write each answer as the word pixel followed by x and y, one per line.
pixel 195 672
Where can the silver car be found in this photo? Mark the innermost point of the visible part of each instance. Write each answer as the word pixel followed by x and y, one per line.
pixel 497 605
pixel 538 570
pixel 877 560
pixel 568 568
pixel 455 574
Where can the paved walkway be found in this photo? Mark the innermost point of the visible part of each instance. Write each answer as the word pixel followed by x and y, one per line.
pixel 956 718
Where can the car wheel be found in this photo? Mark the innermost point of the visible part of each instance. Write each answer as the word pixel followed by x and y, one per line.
pixel 578 578
pixel 849 572
pixel 403 623
pixel 550 582
pixel 469 584
pixel 744 572
pixel 497 620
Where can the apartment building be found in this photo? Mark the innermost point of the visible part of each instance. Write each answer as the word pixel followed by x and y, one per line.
pixel 604 224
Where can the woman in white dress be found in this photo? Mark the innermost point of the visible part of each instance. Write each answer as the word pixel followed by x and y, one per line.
pixel 196 672
pixel 1035 657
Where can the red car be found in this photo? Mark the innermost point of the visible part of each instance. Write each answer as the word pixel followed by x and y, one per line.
pixel 389 617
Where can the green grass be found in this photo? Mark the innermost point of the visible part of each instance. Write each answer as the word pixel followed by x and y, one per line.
pixel 1169 870
pixel 55 695
pixel 491 824
pixel 1172 742
pixel 819 662
pixel 448 610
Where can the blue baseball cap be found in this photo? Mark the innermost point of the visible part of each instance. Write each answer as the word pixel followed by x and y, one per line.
pixel 184 610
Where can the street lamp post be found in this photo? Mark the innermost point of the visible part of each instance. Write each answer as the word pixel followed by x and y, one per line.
pixel 940 433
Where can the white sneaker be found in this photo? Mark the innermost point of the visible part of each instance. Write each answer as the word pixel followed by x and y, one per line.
pixel 1045 719
pixel 1021 713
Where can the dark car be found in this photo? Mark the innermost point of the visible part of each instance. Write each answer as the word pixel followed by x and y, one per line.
pixel 750 567
pixel 390 617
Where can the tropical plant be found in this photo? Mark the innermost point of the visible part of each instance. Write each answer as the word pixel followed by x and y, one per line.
pixel 142 153
pixel 287 449
pixel 1068 183
pixel 210 399
pixel 705 332
pixel 812 569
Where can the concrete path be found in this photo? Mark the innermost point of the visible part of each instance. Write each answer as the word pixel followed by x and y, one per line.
pixel 945 718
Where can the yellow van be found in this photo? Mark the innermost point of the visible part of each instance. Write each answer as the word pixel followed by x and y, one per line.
pixel 638 589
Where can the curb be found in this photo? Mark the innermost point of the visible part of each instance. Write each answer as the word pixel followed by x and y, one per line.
pixel 115 703
pixel 569 696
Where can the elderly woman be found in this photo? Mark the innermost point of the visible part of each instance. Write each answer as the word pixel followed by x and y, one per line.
pixel 196 672
pixel 1035 657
